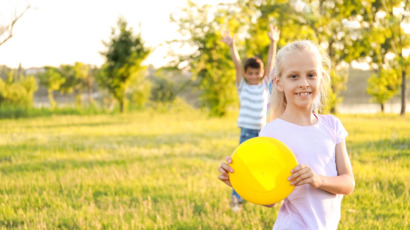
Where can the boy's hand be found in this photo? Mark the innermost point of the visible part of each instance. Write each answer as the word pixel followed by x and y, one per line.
pixel 273 33
pixel 228 39
pixel 303 174
pixel 224 168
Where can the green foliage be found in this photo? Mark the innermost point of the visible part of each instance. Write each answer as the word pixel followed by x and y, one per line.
pixel 76 79
pixel 139 90
pixel 124 57
pixel 52 79
pixel 163 90
pixel 17 89
pixel 384 85
pixel 126 171
pixel 324 22
pixel 211 62
pixel 382 34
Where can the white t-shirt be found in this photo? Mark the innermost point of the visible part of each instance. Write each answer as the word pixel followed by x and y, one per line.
pixel 307 207
pixel 253 100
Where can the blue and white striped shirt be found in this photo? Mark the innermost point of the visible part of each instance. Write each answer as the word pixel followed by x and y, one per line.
pixel 253 100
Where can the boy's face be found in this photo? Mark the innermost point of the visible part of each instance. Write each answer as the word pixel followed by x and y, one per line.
pixel 253 75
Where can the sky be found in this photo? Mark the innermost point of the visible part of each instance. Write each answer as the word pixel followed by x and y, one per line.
pixel 55 32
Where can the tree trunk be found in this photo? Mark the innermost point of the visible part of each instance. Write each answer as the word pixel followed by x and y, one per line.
pixel 90 91
pixel 403 93
pixel 122 105
pixel 51 99
pixel 333 109
pixel 78 99
pixel 382 107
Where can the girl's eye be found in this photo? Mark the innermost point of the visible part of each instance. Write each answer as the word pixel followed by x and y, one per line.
pixel 312 75
pixel 293 76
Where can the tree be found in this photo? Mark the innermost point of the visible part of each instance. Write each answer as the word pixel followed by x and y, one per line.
pixel 92 73
pixel 211 63
pixel 383 86
pixel 52 79
pixel 322 21
pixel 383 35
pixel 6 32
pixel 17 89
pixel 124 56
pixel 76 80
pixel 398 13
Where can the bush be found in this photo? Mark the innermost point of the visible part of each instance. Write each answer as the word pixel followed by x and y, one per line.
pixel 163 90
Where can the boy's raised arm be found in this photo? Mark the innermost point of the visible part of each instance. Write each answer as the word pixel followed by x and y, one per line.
pixel 273 34
pixel 229 40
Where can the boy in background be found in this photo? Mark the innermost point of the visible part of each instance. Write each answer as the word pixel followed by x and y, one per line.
pixel 252 83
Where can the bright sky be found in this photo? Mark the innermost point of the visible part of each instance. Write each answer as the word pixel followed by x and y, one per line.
pixel 65 31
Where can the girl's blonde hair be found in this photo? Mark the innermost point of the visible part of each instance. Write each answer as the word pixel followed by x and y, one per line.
pixel 277 99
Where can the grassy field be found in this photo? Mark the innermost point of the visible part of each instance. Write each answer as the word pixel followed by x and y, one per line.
pixel 158 170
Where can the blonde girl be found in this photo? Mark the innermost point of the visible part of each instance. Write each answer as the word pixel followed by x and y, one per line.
pixel 324 173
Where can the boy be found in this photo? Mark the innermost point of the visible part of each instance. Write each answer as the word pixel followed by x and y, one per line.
pixel 252 85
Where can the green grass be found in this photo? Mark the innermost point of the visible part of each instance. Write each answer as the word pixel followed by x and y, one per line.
pixel 158 170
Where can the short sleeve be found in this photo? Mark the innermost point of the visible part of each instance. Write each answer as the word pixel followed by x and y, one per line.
pixel 241 84
pixel 341 132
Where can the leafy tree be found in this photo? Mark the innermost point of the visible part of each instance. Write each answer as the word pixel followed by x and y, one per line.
pixel 53 80
pixel 17 89
pixel 163 90
pixel 124 56
pixel 382 35
pixel 76 78
pixel 398 13
pixel 210 64
pixel 384 86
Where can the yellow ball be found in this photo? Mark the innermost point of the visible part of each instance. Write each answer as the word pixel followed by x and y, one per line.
pixel 261 167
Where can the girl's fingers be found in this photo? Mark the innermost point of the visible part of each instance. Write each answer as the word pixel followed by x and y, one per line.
pixel 228 159
pixel 227 167
pixel 223 178
pixel 302 177
pixel 302 182
pixel 222 171
pixel 297 171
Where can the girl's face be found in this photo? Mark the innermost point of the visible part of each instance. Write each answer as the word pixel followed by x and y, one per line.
pixel 300 79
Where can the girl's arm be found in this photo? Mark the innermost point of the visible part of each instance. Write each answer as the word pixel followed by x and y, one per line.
pixel 230 41
pixel 343 183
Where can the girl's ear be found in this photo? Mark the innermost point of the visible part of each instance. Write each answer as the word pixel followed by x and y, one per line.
pixel 278 84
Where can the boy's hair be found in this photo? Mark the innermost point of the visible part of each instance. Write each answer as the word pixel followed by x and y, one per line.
pixel 278 99
pixel 254 63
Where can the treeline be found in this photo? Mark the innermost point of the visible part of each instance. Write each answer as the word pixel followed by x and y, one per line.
pixel 370 32
pixel 121 80
pixel 366 31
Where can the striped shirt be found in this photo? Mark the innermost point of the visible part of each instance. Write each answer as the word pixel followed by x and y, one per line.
pixel 253 100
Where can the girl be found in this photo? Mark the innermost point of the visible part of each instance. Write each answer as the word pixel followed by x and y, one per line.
pixel 324 172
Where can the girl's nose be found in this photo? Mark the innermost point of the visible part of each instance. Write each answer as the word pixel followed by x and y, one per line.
pixel 303 83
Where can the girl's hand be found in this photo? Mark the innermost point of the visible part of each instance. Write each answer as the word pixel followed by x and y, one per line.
pixel 224 168
pixel 228 39
pixel 303 174
pixel 273 33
